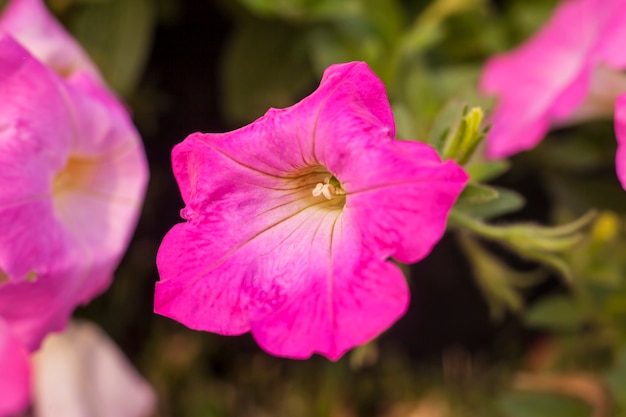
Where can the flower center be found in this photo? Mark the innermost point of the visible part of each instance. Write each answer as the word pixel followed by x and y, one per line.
pixel 313 187
pixel 74 176
pixel 329 188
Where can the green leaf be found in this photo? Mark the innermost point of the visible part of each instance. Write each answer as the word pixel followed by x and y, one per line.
pixel 264 66
pixel 497 281
pixel 616 380
pixel 507 201
pixel 405 128
pixel 352 40
pixel 478 194
pixel 536 404
pixel 117 34
pixel 558 313
pixel 565 229
pixel 303 9
pixel 446 119
pixel 487 170
pixel 427 29
pixel 466 136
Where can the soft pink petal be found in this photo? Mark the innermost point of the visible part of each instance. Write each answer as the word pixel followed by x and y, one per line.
pixel 82 373
pixel 406 207
pixel 620 132
pixel 14 374
pixel 33 241
pixel 35 138
pixel 509 134
pixel 544 79
pixel 605 86
pixel 259 252
pixel 196 287
pixel 611 44
pixel 30 22
pixel 346 297
pixel 102 215
pixel 35 308
pixel 366 87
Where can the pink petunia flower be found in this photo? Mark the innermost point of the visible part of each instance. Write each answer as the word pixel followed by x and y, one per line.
pixel 292 220
pixel 72 179
pixel 14 374
pixel 570 71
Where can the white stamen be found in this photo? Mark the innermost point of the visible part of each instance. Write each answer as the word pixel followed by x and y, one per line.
pixel 317 191
pixel 328 190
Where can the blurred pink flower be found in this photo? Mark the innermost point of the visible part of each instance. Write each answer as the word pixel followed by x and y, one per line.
pixel 72 179
pixel 14 374
pixel 291 221
pixel 31 24
pixel 569 71
pixel 82 373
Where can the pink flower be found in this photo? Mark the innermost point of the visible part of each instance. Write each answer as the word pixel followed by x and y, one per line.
pixel 14 374
pixel 291 221
pixel 81 372
pixel 72 179
pixel 31 24
pixel 569 71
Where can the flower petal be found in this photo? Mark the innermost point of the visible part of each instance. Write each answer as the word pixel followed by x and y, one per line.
pixel 82 373
pixel 30 22
pixel 197 288
pixel 14 368
pixel 344 297
pixel 611 48
pixel 102 215
pixel 545 78
pixel 35 138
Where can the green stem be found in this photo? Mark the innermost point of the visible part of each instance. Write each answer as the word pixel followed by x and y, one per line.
pixel 483 229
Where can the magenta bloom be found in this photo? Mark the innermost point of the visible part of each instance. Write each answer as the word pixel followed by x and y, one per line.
pixel 14 374
pixel 291 221
pixel 567 72
pixel 72 179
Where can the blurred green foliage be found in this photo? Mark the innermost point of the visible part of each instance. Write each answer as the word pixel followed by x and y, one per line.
pixel 117 34
pixel 543 405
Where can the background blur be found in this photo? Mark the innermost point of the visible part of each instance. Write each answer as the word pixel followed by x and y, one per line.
pixel 200 65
